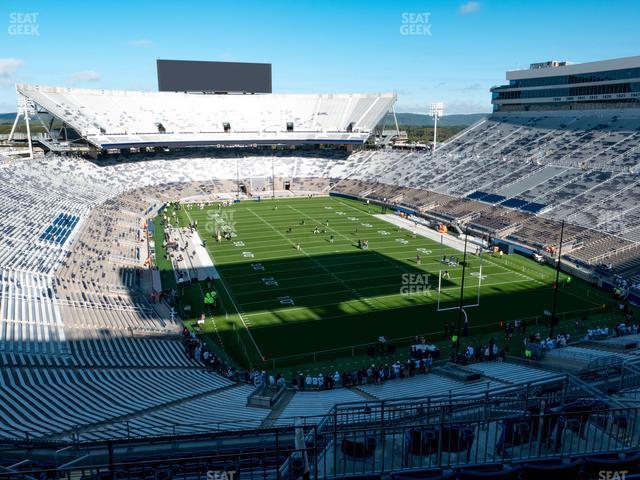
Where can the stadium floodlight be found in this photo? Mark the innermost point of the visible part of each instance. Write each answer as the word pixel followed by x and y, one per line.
pixel 26 107
pixel 436 110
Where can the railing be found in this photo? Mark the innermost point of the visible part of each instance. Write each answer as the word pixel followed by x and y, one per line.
pixel 393 412
pixel 629 377
pixel 453 442
pixel 388 412
pixel 500 432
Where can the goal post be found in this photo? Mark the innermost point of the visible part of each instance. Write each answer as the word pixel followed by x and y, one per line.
pixel 442 308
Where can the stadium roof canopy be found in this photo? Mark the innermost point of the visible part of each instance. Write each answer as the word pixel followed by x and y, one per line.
pixel 126 119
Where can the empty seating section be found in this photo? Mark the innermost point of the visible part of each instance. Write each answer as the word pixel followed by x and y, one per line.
pixel 59 401
pixel 30 319
pixel 427 386
pixel 512 373
pixel 29 203
pixel 77 330
pixel 223 410
pixel 112 118
pixel 477 195
pixel 514 203
pixel 83 346
pixel 576 166
pixel 312 406
pixel 316 404
pixel 499 221
pixel 81 234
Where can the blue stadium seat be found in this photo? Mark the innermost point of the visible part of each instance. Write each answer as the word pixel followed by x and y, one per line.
pixel 514 203
pixel 477 195
pixel 532 207
pixel 493 198
pixel 60 229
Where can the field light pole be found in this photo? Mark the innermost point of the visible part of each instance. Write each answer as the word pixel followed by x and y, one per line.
pixel 460 306
pixel 557 285
pixel 436 110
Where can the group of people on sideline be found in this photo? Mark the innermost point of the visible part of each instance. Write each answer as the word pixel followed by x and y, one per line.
pixel 371 375
pixel 199 351
pixel 422 356
pixel 623 329
pixel 561 341
pixel 480 353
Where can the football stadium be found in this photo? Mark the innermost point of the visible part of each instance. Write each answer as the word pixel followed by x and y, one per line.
pixel 216 281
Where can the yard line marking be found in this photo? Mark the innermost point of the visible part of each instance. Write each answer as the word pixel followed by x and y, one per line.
pixel 338 279
pixel 391 295
pixel 235 306
pixel 488 259
pixel 401 268
pixel 364 271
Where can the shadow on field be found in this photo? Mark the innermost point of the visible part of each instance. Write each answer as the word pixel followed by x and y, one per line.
pixel 329 284
pixel 341 299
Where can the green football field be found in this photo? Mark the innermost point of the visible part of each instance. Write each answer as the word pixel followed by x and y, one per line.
pixel 279 301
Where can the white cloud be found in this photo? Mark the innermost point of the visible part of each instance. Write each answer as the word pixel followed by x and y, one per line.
pixel 141 42
pixel 469 7
pixel 8 67
pixel 85 76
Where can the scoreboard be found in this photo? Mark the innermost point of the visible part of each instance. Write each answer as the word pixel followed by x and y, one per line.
pixel 223 77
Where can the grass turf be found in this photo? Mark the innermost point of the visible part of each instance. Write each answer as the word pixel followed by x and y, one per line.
pixel 344 296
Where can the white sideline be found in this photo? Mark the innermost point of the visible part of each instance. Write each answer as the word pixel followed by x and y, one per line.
pixel 201 261
pixel 424 231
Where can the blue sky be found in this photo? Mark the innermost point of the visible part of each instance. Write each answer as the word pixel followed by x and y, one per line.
pixel 454 54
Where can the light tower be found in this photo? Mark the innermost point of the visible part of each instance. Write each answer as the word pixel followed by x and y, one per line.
pixel 26 107
pixel 436 110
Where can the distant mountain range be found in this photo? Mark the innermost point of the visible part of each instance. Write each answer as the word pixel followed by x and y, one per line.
pixel 422 120
pixel 416 119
